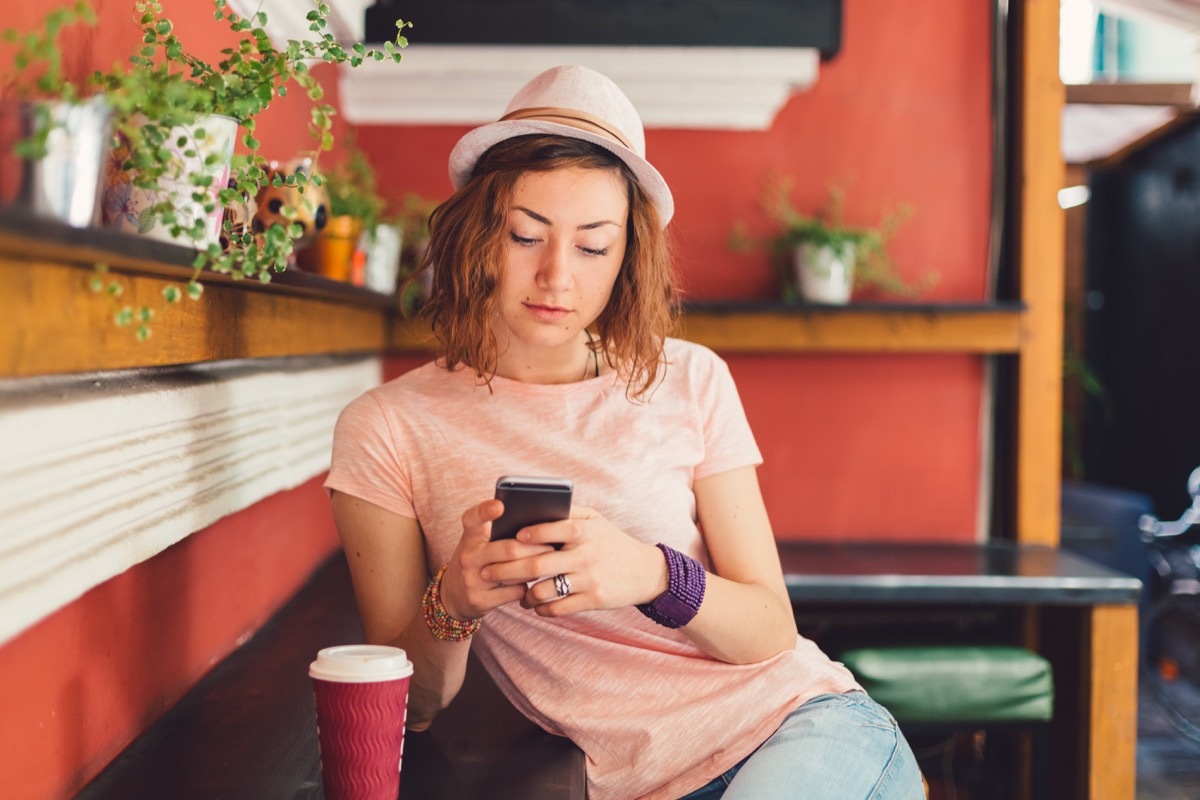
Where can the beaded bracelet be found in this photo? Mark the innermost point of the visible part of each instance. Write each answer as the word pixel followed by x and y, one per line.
pixel 686 581
pixel 441 624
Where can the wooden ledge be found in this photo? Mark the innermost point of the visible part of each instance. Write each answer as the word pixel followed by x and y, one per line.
pixel 56 324
pixel 772 328
pixel 978 328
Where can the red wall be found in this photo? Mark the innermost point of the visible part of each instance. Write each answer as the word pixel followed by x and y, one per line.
pixel 861 446
pixel 79 686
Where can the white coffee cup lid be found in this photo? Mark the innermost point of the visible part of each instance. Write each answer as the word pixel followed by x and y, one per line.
pixel 360 663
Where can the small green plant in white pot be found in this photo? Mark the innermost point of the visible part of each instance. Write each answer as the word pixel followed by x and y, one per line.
pixel 821 259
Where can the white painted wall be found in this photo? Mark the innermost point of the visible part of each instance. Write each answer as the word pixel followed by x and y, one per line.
pixel 100 472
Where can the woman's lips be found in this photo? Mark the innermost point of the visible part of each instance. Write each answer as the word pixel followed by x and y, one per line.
pixel 547 313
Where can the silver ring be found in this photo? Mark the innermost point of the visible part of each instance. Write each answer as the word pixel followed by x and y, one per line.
pixel 500 584
pixel 562 585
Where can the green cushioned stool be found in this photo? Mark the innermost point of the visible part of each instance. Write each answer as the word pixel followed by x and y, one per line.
pixel 962 687
pixel 956 683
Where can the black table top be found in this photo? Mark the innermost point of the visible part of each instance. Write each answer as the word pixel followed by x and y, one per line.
pixel 996 573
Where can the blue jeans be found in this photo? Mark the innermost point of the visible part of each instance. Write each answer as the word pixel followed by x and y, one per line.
pixel 834 747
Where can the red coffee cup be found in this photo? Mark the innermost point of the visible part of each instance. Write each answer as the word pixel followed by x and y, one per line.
pixel 362 702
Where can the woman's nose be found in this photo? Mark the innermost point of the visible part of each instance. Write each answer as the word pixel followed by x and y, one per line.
pixel 553 270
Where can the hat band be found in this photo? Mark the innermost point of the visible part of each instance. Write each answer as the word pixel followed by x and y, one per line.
pixel 581 120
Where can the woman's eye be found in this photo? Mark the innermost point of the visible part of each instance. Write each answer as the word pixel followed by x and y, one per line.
pixel 594 251
pixel 521 240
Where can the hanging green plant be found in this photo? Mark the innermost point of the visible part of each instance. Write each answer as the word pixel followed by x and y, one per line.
pixel 170 105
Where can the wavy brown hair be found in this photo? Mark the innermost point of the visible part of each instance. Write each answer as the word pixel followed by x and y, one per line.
pixel 467 244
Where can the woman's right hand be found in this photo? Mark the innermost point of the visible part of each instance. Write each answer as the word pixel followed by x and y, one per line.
pixel 465 594
pixel 387 559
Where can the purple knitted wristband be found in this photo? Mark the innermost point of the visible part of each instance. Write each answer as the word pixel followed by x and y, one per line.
pixel 686 580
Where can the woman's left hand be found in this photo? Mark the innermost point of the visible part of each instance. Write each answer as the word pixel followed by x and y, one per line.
pixel 604 567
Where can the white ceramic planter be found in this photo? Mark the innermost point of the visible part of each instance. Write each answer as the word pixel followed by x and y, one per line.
pixel 824 274
pixel 126 207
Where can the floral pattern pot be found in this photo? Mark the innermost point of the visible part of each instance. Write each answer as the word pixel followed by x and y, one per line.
pixel 128 207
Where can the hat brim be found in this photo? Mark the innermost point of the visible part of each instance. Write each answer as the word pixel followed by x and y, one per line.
pixel 476 142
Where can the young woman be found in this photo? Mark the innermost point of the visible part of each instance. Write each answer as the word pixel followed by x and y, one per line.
pixel 664 645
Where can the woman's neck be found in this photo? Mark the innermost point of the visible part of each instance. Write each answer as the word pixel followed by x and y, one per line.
pixel 570 363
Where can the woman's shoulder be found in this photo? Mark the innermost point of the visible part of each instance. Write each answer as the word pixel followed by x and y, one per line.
pixel 690 357
pixel 690 370
pixel 429 379
pixel 682 349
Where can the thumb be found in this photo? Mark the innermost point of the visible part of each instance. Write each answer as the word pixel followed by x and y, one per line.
pixel 477 521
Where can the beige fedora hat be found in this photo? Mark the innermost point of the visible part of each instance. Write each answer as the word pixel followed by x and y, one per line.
pixel 577 102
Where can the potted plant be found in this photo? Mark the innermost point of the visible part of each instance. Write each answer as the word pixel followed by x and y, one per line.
pixel 354 210
pixel 165 105
pixel 821 259
pixel 53 135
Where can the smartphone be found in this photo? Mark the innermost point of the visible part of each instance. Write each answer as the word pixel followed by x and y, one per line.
pixel 530 501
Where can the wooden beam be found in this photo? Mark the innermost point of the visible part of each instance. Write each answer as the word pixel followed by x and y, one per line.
pixel 1113 673
pixel 1039 176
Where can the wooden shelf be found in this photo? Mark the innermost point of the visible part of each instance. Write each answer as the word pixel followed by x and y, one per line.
pixel 855 328
pixel 55 324
pixel 774 328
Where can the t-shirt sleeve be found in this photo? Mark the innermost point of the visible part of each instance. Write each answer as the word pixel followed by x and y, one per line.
pixel 366 461
pixel 728 441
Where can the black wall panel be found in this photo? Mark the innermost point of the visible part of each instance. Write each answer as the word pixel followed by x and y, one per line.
pixel 732 23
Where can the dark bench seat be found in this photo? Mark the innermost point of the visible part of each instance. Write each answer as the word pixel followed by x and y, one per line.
pixel 247 730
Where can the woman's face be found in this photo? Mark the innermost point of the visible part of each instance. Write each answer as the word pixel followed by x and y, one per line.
pixel 566 242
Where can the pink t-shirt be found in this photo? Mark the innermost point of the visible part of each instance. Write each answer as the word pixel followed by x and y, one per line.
pixel 655 716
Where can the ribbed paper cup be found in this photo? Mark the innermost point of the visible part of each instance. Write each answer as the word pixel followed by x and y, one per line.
pixel 362 702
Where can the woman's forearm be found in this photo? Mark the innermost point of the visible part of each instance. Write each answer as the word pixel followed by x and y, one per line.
pixel 438 671
pixel 741 622
pixel 746 615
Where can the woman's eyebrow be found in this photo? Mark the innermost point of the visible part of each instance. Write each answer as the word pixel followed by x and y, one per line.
pixel 589 226
pixel 533 214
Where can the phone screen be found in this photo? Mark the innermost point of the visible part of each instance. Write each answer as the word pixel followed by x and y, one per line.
pixel 530 501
